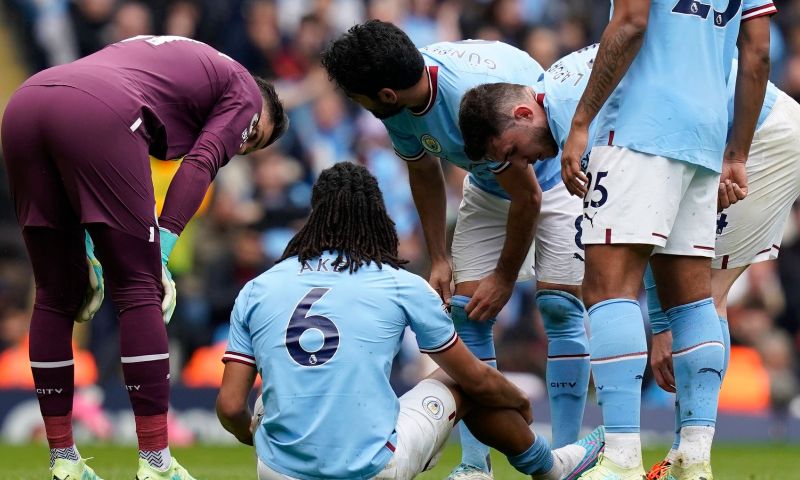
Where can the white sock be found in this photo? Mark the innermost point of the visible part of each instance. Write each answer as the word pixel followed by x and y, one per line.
pixel 624 449
pixel 565 459
pixel 160 460
pixel 69 453
pixel 672 456
pixel 695 444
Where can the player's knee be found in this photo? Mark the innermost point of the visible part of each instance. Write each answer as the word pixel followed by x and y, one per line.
pixel 562 314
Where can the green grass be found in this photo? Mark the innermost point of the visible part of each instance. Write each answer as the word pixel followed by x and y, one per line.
pixel 731 462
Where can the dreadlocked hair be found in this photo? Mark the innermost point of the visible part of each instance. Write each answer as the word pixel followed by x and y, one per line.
pixel 348 216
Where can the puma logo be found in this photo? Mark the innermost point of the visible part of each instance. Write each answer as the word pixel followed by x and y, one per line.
pixel 577 256
pixel 711 370
pixel 591 219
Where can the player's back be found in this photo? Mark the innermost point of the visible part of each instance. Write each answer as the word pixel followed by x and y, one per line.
pixel 672 101
pixel 323 341
pixel 460 66
pixel 171 83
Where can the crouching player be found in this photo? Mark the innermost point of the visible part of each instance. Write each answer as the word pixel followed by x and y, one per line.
pixel 76 140
pixel 322 327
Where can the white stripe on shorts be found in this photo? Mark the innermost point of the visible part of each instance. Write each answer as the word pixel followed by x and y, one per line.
pixel 145 358
pixel 63 363
pixel 136 124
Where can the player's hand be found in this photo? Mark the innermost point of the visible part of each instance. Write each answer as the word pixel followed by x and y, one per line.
pixel 489 298
pixel 732 184
pixel 167 240
pixel 441 277
pixel 95 291
pixel 170 294
pixel 572 175
pixel 661 360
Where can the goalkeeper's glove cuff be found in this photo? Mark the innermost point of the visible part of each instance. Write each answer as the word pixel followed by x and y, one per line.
pixel 168 241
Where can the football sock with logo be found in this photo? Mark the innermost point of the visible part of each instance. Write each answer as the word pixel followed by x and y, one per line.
pixel 619 355
pixel 567 362
pixel 698 359
pixel 477 336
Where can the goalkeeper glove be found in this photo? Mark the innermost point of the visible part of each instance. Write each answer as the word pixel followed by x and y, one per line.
pixel 168 240
pixel 95 290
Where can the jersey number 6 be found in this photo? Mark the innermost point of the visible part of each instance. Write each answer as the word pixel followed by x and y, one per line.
pixel 311 340
pixel 694 7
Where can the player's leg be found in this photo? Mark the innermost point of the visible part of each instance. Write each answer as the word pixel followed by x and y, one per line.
pixel 630 208
pixel 110 179
pixel 682 269
pixel 559 269
pixel 478 239
pixel 53 238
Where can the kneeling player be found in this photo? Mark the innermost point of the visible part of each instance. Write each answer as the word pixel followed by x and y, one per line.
pixel 322 327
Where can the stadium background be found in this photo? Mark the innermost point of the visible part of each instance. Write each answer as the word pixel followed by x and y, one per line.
pixel 258 201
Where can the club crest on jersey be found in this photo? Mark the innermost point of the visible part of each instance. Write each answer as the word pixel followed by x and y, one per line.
pixel 431 144
pixel 433 407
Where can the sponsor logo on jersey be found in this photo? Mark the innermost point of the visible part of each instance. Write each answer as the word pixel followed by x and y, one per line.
pixel 433 407
pixel 431 144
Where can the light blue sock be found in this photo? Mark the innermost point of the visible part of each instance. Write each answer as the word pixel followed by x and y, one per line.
pixel 619 355
pixel 477 336
pixel 659 323
pixel 726 340
pixel 567 362
pixel 698 357
pixel 536 460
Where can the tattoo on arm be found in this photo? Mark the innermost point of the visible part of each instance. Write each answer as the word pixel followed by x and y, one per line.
pixel 617 50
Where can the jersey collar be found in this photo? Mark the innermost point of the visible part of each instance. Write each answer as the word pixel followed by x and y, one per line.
pixel 433 84
pixel 539 98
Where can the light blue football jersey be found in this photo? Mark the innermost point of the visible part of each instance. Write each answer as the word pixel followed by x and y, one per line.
pixel 454 68
pixel 562 85
pixel 673 100
pixel 560 90
pixel 323 342
pixel 770 96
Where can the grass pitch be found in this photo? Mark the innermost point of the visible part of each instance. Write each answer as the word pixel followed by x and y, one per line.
pixel 731 462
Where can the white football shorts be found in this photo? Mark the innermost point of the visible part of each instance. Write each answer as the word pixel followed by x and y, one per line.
pixel 427 416
pixel 555 256
pixel 637 198
pixel 750 231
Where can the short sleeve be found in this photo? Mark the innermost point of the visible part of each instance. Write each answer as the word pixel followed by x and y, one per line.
pixel 426 316
pixel 407 146
pixel 757 8
pixel 240 345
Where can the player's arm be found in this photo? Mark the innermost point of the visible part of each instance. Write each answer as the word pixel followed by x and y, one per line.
pixel 232 409
pixel 751 83
pixel 428 190
pixel 519 181
pixel 619 45
pixel 484 385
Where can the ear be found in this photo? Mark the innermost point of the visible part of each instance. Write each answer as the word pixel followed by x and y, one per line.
pixel 523 111
pixel 387 95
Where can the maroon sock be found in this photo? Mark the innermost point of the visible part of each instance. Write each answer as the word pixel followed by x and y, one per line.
pixel 152 432
pixel 59 430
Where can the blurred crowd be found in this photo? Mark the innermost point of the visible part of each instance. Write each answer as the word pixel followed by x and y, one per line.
pixel 258 201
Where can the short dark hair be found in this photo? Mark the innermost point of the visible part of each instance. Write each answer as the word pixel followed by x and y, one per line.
pixel 372 56
pixel 483 115
pixel 280 121
pixel 347 216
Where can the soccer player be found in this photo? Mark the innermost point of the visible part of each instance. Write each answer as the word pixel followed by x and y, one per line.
pixel 416 94
pixel 76 140
pixel 652 183
pixel 748 232
pixel 321 329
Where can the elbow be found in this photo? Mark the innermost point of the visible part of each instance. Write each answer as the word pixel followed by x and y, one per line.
pixel 635 23
pixel 531 200
pixel 228 410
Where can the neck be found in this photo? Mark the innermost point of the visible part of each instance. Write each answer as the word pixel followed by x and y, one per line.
pixel 419 94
